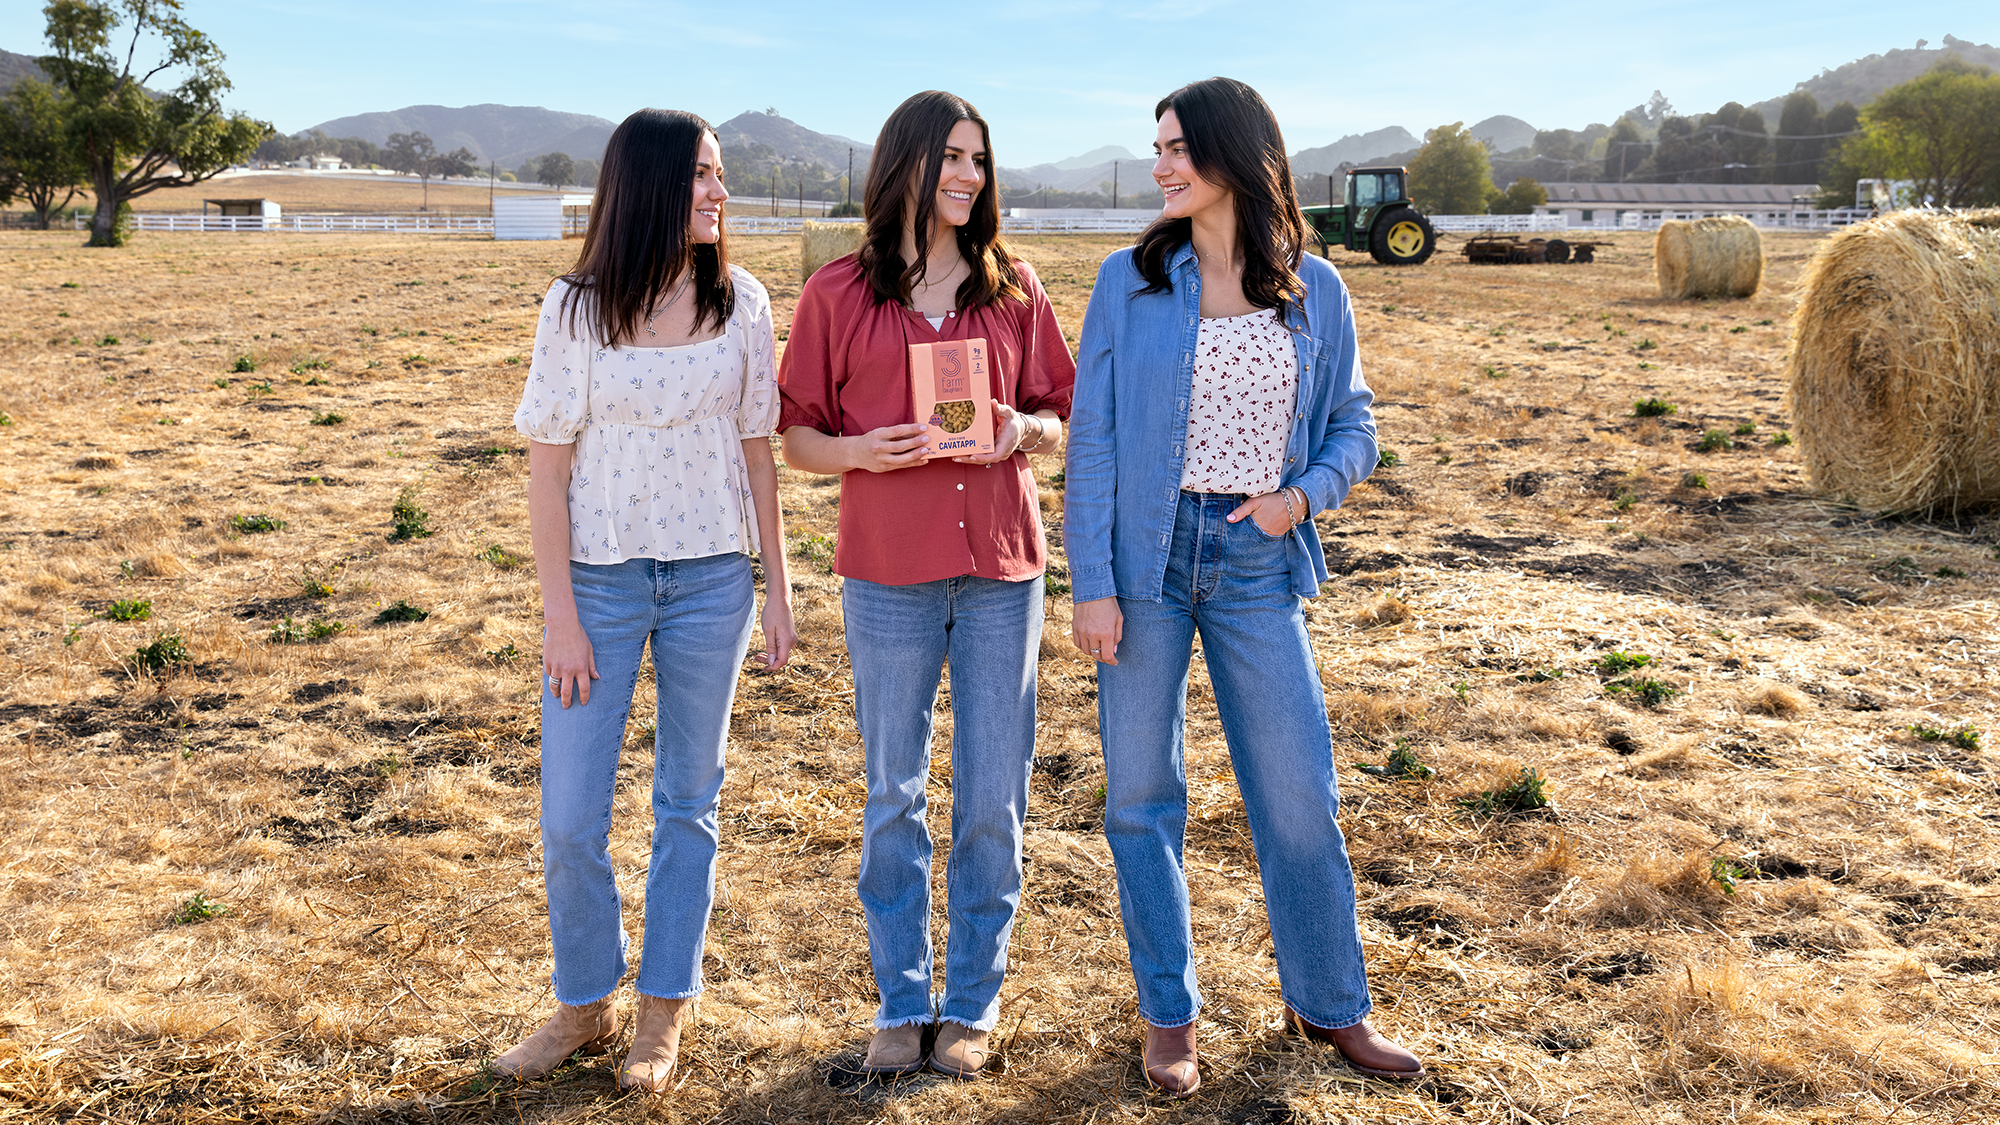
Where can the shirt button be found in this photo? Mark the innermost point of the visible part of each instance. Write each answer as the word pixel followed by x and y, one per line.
pixel 961 488
pixel 961 523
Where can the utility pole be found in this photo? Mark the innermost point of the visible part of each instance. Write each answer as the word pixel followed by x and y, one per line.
pixel 492 174
pixel 802 193
pixel 1114 185
pixel 774 191
pixel 850 176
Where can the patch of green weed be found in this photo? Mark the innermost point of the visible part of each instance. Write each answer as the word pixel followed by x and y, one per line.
pixel 1528 792
pixel 197 908
pixel 133 609
pixel 401 611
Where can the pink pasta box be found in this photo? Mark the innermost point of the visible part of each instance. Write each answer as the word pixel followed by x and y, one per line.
pixel 951 389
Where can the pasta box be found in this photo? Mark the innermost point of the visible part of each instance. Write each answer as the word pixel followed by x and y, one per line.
pixel 951 389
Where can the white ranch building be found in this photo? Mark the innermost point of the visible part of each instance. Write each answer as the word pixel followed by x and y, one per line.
pixel 1608 204
pixel 538 217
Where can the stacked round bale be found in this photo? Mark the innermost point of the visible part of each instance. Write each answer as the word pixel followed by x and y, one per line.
pixel 826 241
pixel 1720 256
pixel 1895 363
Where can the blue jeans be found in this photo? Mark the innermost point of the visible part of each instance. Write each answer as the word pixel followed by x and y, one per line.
pixel 898 640
pixel 697 614
pixel 1233 584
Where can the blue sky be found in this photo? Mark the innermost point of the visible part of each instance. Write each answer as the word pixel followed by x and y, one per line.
pixel 1054 77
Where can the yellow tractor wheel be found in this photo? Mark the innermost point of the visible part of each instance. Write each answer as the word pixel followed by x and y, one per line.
pixel 1402 237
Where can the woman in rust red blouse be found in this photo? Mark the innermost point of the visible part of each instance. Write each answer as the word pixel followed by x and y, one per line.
pixel 942 558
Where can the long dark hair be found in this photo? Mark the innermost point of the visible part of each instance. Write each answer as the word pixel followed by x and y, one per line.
pixel 910 150
pixel 1234 142
pixel 638 244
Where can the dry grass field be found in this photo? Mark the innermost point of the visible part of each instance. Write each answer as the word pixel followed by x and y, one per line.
pixel 290 873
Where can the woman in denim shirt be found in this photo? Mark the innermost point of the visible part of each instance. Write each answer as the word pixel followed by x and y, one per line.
pixel 1219 404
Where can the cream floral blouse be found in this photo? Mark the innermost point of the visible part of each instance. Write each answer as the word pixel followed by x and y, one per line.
pixel 1246 377
pixel 658 470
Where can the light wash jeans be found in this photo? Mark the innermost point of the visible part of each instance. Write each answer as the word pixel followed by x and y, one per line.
pixel 898 640
pixel 697 614
pixel 1233 584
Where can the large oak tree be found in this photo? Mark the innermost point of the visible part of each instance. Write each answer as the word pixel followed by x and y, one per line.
pixel 1451 174
pixel 132 139
pixel 1940 130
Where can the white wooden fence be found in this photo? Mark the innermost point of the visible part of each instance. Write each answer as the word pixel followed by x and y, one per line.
pixel 235 224
pixel 1504 224
pixel 1794 219
pixel 1802 219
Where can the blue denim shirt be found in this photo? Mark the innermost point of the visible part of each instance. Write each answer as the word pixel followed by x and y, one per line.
pixel 1128 424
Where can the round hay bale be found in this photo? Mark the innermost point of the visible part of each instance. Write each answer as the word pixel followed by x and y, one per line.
pixel 826 241
pixel 1894 371
pixel 1721 256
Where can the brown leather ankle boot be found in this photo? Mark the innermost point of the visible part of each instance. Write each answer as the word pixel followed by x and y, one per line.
pixel 656 1043
pixel 1170 1059
pixel 586 1028
pixel 1364 1048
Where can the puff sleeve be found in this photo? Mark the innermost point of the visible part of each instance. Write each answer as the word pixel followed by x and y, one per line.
pixel 555 403
pixel 757 409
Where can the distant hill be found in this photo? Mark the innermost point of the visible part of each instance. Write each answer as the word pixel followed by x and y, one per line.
pixel 793 140
pixel 1503 133
pixel 1068 175
pixel 506 133
pixel 1861 80
pixel 1359 148
pixel 1095 157
pixel 15 67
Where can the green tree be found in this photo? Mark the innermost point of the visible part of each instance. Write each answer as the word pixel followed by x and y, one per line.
pixel 1450 175
pixel 555 170
pixel 415 154
pixel 1941 130
pixel 1800 144
pixel 131 139
pixel 1837 175
pixel 1624 150
pixel 36 160
pixel 1521 198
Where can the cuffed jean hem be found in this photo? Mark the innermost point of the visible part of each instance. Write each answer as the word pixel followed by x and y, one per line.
pixel 1183 1021
pixel 974 1025
pixel 1331 1025
pixel 883 1023
pixel 688 995
pixel 583 1003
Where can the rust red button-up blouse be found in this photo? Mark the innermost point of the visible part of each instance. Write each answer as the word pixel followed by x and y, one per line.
pixel 846 371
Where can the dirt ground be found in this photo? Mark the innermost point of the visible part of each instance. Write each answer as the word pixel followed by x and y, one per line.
pixel 288 872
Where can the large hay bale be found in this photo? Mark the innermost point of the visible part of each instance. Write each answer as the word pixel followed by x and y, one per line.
pixel 1894 372
pixel 1721 256
pixel 826 241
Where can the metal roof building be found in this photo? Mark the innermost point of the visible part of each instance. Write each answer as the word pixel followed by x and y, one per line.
pixel 1588 204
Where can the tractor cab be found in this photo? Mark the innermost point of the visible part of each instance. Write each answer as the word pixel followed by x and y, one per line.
pixel 1377 217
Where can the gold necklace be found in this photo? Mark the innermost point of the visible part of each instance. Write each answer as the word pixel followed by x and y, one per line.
pixel 669 302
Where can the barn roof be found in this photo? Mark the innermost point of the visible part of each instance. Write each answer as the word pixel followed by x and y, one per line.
pixel 1675 195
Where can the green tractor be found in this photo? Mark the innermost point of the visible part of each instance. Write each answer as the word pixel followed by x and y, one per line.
pixel 1378 217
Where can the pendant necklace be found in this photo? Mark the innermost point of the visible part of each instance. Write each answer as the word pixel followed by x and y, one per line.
pixel 669 302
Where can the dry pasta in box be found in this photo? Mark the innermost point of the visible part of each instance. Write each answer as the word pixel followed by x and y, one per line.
pixel 951 389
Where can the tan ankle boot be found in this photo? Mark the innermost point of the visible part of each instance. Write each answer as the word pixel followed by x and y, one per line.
pixel 586 1028
pixel 960 1051
pixel 895 1050
pixel 1170 1059
pixel 656 1042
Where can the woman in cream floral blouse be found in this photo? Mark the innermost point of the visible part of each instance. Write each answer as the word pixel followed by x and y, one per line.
pixel 649 404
